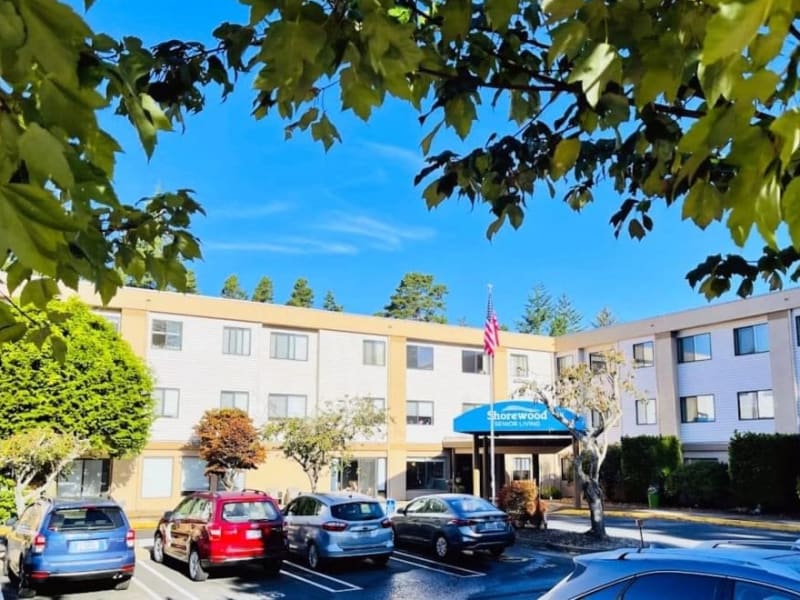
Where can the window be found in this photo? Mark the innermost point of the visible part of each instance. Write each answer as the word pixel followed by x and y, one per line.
pixel 156 477
pixel 756 405
pixel 167 334
pixel 646 411
pixel 596 418
pixel 425 474
pixel 522 468
pixel 643 355
pixel 288 346
pixel 374 352
pixel 751 340
pixel 694 347
pixel 286 406
pixel 419 412
pixel 86 477
pixel 166 402
pixel 519 365
pixel 235 400
pixel 236 340
pixel 465 406
pixel 567 470
pixel 697 409
pixel 563 363
pixel 471 361
pixel 597 362
pixel 651 586
pixel 193 477
pixel 419 357
pixel 747 590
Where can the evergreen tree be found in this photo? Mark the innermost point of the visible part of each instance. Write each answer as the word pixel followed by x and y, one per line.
pixel 191 282
pixel 566 318
pixel 417 298
pixel 263 291
pixel 232 289
pixel 604 318
pixel 302 294
pixel 329 303
pixel 538 312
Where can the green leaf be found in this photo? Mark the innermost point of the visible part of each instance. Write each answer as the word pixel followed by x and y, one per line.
pixel 44 156
pixel 39 292
pixel 560 9
pixel 759 86
pixel 38 205
pixel 635 229
pixel 568 38
pixel 596 70
pixel 732 28
pixel 12 29
pixel 564 157
pixel 703 204
pixel 500 12
pixel 16 273
pixel 144 126
pixel 768 211
pixel 154 113
pixel 428 139
pixel 325 130
pixel 766 47
pixel 790 203
pixel 58 347
pixel 787 129
pixel 358 95
pixel 455 16
pixel 12 333
pixel 459 113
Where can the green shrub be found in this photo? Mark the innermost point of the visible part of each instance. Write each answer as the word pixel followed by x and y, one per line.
pixel 647 460
pixel 551 492
pixel 705 484
pixel 611 474
pixel 8 507
pixel 763 470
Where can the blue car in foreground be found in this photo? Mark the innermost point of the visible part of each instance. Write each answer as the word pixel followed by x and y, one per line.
pixel 75 539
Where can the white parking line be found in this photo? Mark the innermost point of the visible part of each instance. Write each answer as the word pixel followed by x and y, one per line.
pixel 146 589
pixel 353 588
pixel 166 580
pixel 317 574
pixel 441 569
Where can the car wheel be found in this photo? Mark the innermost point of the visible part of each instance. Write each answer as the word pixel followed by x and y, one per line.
pixel 381 561
pixel 497 552
pixel 196 570
pixel 157 553
pixel 441 547
pixel 273 567
pixel 313 558
pixel 123 585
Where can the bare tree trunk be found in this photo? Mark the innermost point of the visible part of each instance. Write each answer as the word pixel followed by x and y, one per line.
pixel 313 477
pixel 228 479
pixel 594 498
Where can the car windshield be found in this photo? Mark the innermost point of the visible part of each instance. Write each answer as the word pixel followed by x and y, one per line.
pixel 472 505
pixel 357 511
pixel 248 510
pixel 82 518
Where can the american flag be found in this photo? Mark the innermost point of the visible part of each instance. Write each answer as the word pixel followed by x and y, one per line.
pixel 491 331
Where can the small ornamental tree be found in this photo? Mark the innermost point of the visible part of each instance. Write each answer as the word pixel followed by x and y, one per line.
pixel 313 442
pixel 592 396
pixel 229 443
pixel 35 458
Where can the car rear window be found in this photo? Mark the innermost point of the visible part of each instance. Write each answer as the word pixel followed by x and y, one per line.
pixel 357 511
pixel 248 510
pixel 86 518
pixel 471 505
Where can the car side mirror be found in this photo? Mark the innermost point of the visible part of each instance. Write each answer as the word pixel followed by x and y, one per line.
pixel 401 511
pixel 168 515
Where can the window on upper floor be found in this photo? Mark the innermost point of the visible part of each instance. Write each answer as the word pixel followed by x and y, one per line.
pixel 646 411
pixel 166 403
pixel 597 362
pixel 288 346
pixel 419 412
pixel 756 405
pixel 522 468
pixel 240 400
pixel 167 335
pixel 519 365
pixel 694 348
pixel 643 355
pixel 752 339
pixel 374 352
pixel 472 361
pixel 563 363
pixel 697 409
pixel 286 406
pixel 419 357
pixel 236 340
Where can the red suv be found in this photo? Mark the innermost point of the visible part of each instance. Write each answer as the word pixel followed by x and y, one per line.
pixel 215 529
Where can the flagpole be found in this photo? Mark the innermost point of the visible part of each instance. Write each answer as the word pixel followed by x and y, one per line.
pixel 491 419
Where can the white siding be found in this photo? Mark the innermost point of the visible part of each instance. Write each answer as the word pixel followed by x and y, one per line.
pixel 644 380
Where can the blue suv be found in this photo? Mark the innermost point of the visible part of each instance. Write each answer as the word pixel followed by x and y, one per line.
pixel 75 539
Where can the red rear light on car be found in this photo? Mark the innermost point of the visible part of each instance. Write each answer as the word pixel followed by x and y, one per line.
pixel 40 575
pixel 334 526
pixel 39 542
pixel 386 523
pixel 130 538
pixel 214 532
pixel 461 522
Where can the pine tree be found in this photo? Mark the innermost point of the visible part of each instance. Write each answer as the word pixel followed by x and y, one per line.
pixel 263 291
pixel 566 318
pixel 191 282
pixel 232 289
pixel 329 303
pixel 604 318
pixel 302 295
pixel 417 298
pixel 538 312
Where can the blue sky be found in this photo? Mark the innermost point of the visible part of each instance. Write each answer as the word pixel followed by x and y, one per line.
pixel 351 220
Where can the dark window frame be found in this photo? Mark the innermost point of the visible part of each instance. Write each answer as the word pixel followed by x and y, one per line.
pixel 696 397
pixel 737 341
pixel 413 350
pixel 473 358
pixel 646 402
pixel 643 361
pixel 756 392
pixel 685 355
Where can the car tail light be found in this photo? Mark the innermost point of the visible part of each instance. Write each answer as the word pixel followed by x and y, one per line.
pixel 127 568
pixel 130 538
pixel 39 542
pixel 334 526
pixel 386 523
pixel 214 532
pixel 40 575
pixel 461 522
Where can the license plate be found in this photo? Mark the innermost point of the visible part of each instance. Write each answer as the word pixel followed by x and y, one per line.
pixel 86 546
pixel 253 534
pixel 494 526
pixel 364 533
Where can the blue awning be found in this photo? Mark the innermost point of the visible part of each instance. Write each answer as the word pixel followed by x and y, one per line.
pixel 519 417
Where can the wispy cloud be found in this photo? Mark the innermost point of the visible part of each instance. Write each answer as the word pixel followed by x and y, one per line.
pixel 295 246
pixel 406 156
pixel 236 212
pixel 383 236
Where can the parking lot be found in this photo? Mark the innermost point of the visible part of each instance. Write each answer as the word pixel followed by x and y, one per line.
pixel 523 572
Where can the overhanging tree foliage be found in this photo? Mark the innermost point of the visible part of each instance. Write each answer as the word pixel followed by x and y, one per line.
pixel 592 395
pixel 314 442
pixel 85 381
pixel 229 443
